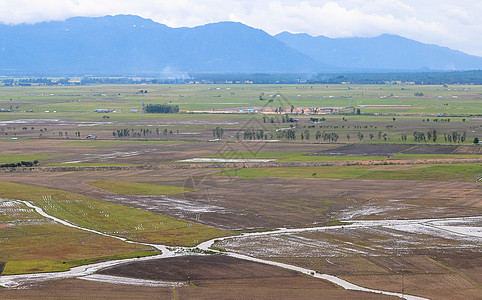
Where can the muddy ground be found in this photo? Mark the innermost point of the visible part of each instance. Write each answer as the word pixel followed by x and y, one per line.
pixel 264 288
pixel 392 149
pixel 371 258
pixel 199 268
pixel 233 203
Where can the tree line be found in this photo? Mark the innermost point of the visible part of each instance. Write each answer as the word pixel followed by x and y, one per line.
pixel 20 164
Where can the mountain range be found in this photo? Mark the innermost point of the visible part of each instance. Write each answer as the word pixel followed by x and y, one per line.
pixel 131 45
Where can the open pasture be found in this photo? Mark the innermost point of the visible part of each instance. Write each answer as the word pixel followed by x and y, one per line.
pixel 110 218
pixel 334 170
pixel 32 244
pixel 385 99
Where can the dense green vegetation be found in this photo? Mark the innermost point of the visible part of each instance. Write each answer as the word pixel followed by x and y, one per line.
pixel 161 109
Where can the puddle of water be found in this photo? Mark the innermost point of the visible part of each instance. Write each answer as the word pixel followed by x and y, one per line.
pixel 225 160
pixel 130 281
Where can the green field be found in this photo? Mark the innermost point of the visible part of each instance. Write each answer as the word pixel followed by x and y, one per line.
pixel 436 99
pixel 11 158
pixel 462 172
pixel 111 218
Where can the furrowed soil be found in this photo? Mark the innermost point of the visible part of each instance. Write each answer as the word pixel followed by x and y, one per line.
pixel 271 288
pixel 227 278
pixel 233 203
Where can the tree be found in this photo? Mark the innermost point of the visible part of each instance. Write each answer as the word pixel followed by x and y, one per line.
pixel 476 140
pixel 318 135
pixel 218 132
pixel 358 112
pixel 360 136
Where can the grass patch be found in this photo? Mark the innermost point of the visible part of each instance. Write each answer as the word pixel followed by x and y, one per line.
pixel 131 223
pixel 44 246
pixel 10 158
pixel 33 266
pixel 17 140
pixel 137 188
pixel 42 266
pixel 302 172
pixel 33 244
pixel 218 249
pixel 434 156
pixel 441 172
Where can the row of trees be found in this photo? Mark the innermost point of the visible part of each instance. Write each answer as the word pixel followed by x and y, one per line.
pixel 455 137
pixel 252 134
pixel 284 119
pixel 126 132
pixel 327 136
pixel 431 136
pixel 291 134
pixel 419 136
pixel 20 164
pixel 441 120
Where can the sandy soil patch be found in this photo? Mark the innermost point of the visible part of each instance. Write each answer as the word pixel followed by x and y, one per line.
pixel 6 227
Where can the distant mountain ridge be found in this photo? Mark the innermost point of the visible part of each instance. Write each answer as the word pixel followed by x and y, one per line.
pixel 385 52
pixel 131 45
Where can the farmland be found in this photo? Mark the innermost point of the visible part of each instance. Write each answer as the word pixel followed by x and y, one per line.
pixel 389 176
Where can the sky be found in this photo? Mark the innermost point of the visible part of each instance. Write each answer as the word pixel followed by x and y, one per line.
pixel 456 24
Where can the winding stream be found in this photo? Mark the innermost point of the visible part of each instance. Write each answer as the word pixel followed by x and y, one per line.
pixel 86 272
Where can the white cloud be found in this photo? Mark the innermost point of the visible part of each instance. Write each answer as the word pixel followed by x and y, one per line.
pixel 455 24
